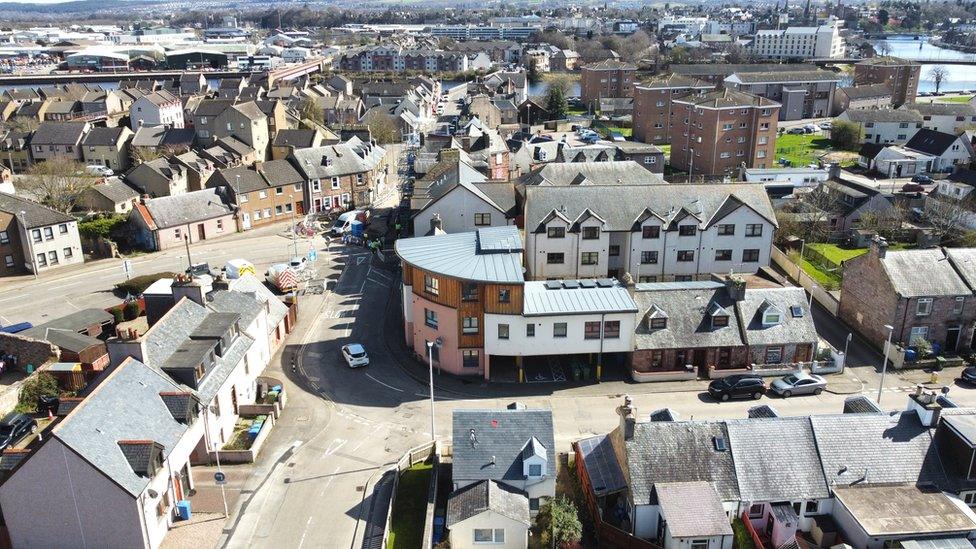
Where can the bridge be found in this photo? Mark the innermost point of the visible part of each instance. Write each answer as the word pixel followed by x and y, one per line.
pixel 853 60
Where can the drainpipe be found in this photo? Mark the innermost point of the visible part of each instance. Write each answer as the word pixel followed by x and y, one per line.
pixel 599 357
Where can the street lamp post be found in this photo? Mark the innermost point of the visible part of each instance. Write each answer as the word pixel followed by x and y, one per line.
pixel 847 344
pixel 430 357
pixel 884 365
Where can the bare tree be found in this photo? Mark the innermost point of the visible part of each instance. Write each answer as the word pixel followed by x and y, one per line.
pixel 57 183
pixel 886 223
pixel 883 48
pixel 937 75
pixel 140 155
pixel 946 215
pixel 383 129
pixel 808 219
pixel 22 124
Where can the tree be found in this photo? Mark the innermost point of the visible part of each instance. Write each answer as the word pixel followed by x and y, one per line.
pixel 41 384
pixel 532 74
pixel 558 523
pixel 383 129
pixel 57 183
pixel 885 223
pixel 883 48
pixel 946 215
pixel 311 110
pixel 883 17
pixel 22 124
pixel 937 75
pixel 556 102
pixel 846 135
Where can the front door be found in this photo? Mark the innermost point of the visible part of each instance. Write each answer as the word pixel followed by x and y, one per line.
pixel 699 359
pixel 802 353
pixel 952 339
pixel 201 232
pixel 246 220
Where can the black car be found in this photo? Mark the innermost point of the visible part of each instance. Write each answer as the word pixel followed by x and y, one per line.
pixel 968 375
pixel 737 386
pixel 14 427
pixel 919 178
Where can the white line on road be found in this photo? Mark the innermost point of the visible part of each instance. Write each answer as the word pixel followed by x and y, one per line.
pixel 339 443
pixel 384 384
pixel 304 532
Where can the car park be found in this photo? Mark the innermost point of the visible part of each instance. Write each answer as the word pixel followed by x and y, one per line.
pixel 15 426
pixel 355 355
pixel 737 386
pixel 798 384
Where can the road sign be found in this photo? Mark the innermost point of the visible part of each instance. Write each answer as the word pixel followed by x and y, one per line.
pixel 127 269
pixel 220 478
pixel 313 254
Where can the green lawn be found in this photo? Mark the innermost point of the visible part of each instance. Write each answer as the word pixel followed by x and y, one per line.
pixel 801 150
pixel 835 253
pixel 410 508
pixel 626 132
pixel 957 99
pixel 830 281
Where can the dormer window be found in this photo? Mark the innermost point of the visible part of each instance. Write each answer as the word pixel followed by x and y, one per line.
pixel 720 321
pixel 556 232
pixel 591 233
pixel 659 323
pixel 771 318
pixel 535 470
pixel 686 230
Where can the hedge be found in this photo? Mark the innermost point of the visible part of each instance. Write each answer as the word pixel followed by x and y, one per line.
pixel 136 285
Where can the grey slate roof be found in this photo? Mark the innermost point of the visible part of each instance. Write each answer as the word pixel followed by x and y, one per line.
pixel 294 138
pixel 492 254
pixel 215 378
pixel 170 211
pixel 916 273
pixel 684 451
pixel 541 300
pixel 487 495
pixel 776 459
pixel 876 448
pixel 864 116
pixel 103 137
pixel 866 91
pixel 252 286
pixel 692 509
pixel 621 205
pixel 59 133
pixel 722 68
pixel 329 161
pixel 688 322
pixel 860 404
pixel 116 190
pixel 502 193
pixel 280 172
pixel 787 76
pixel 624 172
pixel 35 215
pixel 240 179
pixel 943 109
pixel 964 260
pixel 162 339
pixel 125 406
pixel 501 434
pixel 245 306
pixel 931 141
pixel 723 99
pixel 790 329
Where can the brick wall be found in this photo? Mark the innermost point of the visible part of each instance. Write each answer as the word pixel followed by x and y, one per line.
pixel 28 350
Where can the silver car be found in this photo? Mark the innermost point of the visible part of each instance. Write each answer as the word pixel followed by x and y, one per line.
pixel 798 384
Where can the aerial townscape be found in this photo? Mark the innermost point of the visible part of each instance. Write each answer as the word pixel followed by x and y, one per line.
pixel 539 274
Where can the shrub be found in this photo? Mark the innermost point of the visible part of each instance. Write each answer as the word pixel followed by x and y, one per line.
pixel 117 314
pixel 41 384
pixel 136 285
pixel 100 226
pixel 131 310
pixel 559 524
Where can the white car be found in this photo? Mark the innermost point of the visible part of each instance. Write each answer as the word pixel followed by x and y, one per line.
pixel 95 169
pixel 355 355
pixel 298 263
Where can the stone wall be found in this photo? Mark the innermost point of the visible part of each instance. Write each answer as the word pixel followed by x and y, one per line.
pixel 28 350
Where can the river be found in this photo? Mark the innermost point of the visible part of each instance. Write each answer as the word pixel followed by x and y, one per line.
pixel 960 77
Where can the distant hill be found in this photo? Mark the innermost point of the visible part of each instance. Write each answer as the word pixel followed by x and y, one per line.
pixel 78 6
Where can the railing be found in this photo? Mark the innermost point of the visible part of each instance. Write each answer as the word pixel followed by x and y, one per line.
pixel 756 540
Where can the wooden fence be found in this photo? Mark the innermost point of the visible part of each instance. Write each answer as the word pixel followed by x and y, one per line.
pixel 795 272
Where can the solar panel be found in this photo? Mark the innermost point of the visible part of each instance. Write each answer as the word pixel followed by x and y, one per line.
pixel 553 284
pixel 587 283
pixel 605 283
pixel 601 464
pixel 571 284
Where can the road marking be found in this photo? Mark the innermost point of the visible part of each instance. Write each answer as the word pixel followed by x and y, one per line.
pixel 304 532
pixel 384 384
pixel 314 354
pixel 360 259
pixel 339 443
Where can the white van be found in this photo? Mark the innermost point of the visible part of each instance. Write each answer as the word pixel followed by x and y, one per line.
pixel 343 222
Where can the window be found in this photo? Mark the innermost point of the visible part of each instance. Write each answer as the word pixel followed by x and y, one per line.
pixel 686 255
pixel 503 331
pixel 556 232
pixel 611 329
pixel 699 544
pixel 750 256
pixel 244 198
pixel 918 334
pixel 482 219
pixel 316 185
pixel 591 233
pixel 924 306
pixel 469 325
pixel 720 321
pixel 262 194
pixel 504 295
pixel 48 233
pixel 52 257
pixel 489 535
pixel 559 329
pixel 267 212
pixel 687 230
pixel 533 504
pixel 754 229
pixel 469 358
pixel 771 318
pixel 431 285
pixel 725 155
pixel 591 330
pixel 41 260
pixel 648 258
pixel 430 318
pixel 726 230
pixel 614 250
pixel 812 508
pixel 335 183
pixel 469 291
pixel 774 355
pixel 535 470
pixel 279 191
pixel 257 215
pixel 279 210
pixel 958 305
pixel 756 511
pixel 651 232
pixel 649 160
pixel 555 258
pixel 530 330
pixel 590 258
pixel 359 179
pixel 4 237
pixel 659 323
pixel 63 228
pixel 67 253
pixel 8 260
pixel 723 255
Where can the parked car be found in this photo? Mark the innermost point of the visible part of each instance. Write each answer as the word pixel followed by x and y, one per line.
pixel 796 131
pixel 826 125
pixel 737 386
pixel 298 263
pixel 14 427
pixel 355 355
pixel 95 169
pixel 968 375
pixel 920 178
pixel 798 384
pixel 811 128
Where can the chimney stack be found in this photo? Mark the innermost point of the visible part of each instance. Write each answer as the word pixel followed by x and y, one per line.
pixel 435 223
pixel 628 418
pixel 879 246
pixel 736 287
